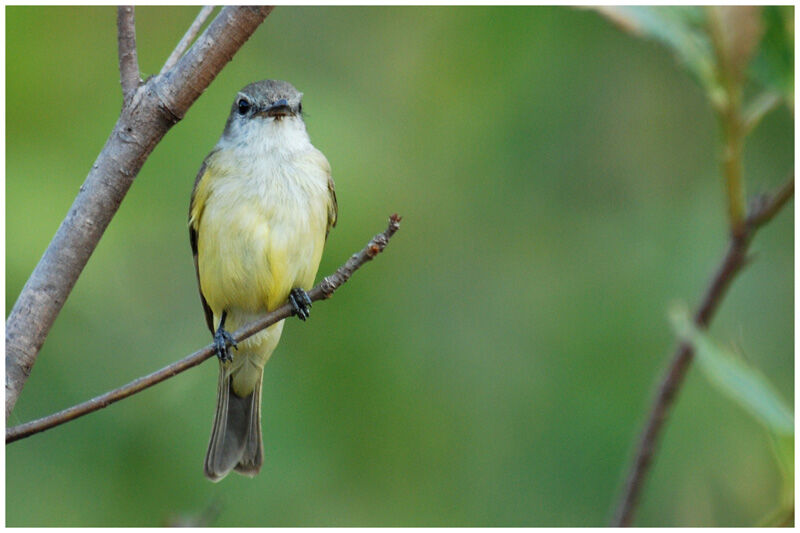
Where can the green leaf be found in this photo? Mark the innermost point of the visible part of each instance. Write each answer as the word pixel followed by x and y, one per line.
pixel 749 388
pixel 773 66
pixel 783 447
pixel 682 29
pixel 735 32
pixel 734 377
pixel 783 516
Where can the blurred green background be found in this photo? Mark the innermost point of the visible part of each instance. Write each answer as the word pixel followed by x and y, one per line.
pixel 559 185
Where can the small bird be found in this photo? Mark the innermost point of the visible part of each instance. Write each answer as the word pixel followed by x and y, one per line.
pixel 261 209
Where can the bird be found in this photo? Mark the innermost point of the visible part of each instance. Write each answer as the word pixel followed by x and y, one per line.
pixel 260 212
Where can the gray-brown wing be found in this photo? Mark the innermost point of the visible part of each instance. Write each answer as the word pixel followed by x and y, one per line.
pixel 193 236
pixel 333 207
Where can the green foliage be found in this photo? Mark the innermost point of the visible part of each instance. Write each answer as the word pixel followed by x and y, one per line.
pixel 725 49
pixel 685 31
pixel 746 386
pixel 735 378
pixel 773 65
pixel 783 447
pixel 682 29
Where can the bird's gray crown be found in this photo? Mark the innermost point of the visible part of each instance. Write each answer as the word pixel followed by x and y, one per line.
pixel 267 92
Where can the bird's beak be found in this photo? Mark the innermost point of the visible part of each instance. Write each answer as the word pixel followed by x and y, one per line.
pixel 280 108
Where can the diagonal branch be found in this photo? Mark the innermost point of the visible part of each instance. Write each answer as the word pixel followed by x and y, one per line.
pixel 324 289
pixel 761 211
pixel 184 43
pixel 765 207
pixel 153 108
pixel 128 61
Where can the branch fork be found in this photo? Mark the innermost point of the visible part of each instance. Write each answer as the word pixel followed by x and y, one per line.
pixel 128 59
pixel 761 211
pixel 149 110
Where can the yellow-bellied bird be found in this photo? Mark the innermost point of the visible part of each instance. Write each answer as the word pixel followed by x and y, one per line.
pixel 261 209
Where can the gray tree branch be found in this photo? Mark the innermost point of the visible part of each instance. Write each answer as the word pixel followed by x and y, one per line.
pixel 153 108
pixel 324 289
pixel 126 46
pixel 184 43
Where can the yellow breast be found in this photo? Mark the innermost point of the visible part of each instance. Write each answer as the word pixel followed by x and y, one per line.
pixel 261 229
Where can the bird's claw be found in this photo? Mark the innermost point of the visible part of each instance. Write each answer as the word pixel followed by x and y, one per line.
pixel 301 303
pixel 222 341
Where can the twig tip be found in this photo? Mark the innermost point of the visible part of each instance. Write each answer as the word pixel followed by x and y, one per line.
pixel 394 224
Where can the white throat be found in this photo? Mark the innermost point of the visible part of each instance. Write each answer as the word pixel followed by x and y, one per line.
pixel 259 136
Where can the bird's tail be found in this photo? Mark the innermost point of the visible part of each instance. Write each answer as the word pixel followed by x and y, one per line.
pixel 236 436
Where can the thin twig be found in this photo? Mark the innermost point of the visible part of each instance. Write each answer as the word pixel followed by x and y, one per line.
pixel 324 289
pixel 758 109
pixel 154 108
pixel 761 211
pixel 187 39
pixel 128 61
pixel 729 109
pixel 765 207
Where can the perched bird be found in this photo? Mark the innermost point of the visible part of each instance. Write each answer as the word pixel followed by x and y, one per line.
pixel 261 209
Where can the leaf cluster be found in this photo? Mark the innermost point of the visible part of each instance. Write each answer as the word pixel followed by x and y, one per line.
pixel 754 44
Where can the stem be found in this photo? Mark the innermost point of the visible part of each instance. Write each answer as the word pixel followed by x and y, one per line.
pixel 732 167
pixel 126 47
pixel 758 109
pixel 729 113
pixel 762 211
pixel 184 43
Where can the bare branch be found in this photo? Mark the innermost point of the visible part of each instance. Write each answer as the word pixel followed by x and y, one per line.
pixel 324 289
pixel 763 208
pixel 184 43
pixel 152 110
pixel 128 61
pixel 735 259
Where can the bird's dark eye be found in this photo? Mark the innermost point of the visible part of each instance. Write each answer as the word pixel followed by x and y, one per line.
pixel 300 107
pixel 243 106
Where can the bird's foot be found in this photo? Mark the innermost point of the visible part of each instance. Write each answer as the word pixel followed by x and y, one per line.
pixel 223 340
pixel 301 303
